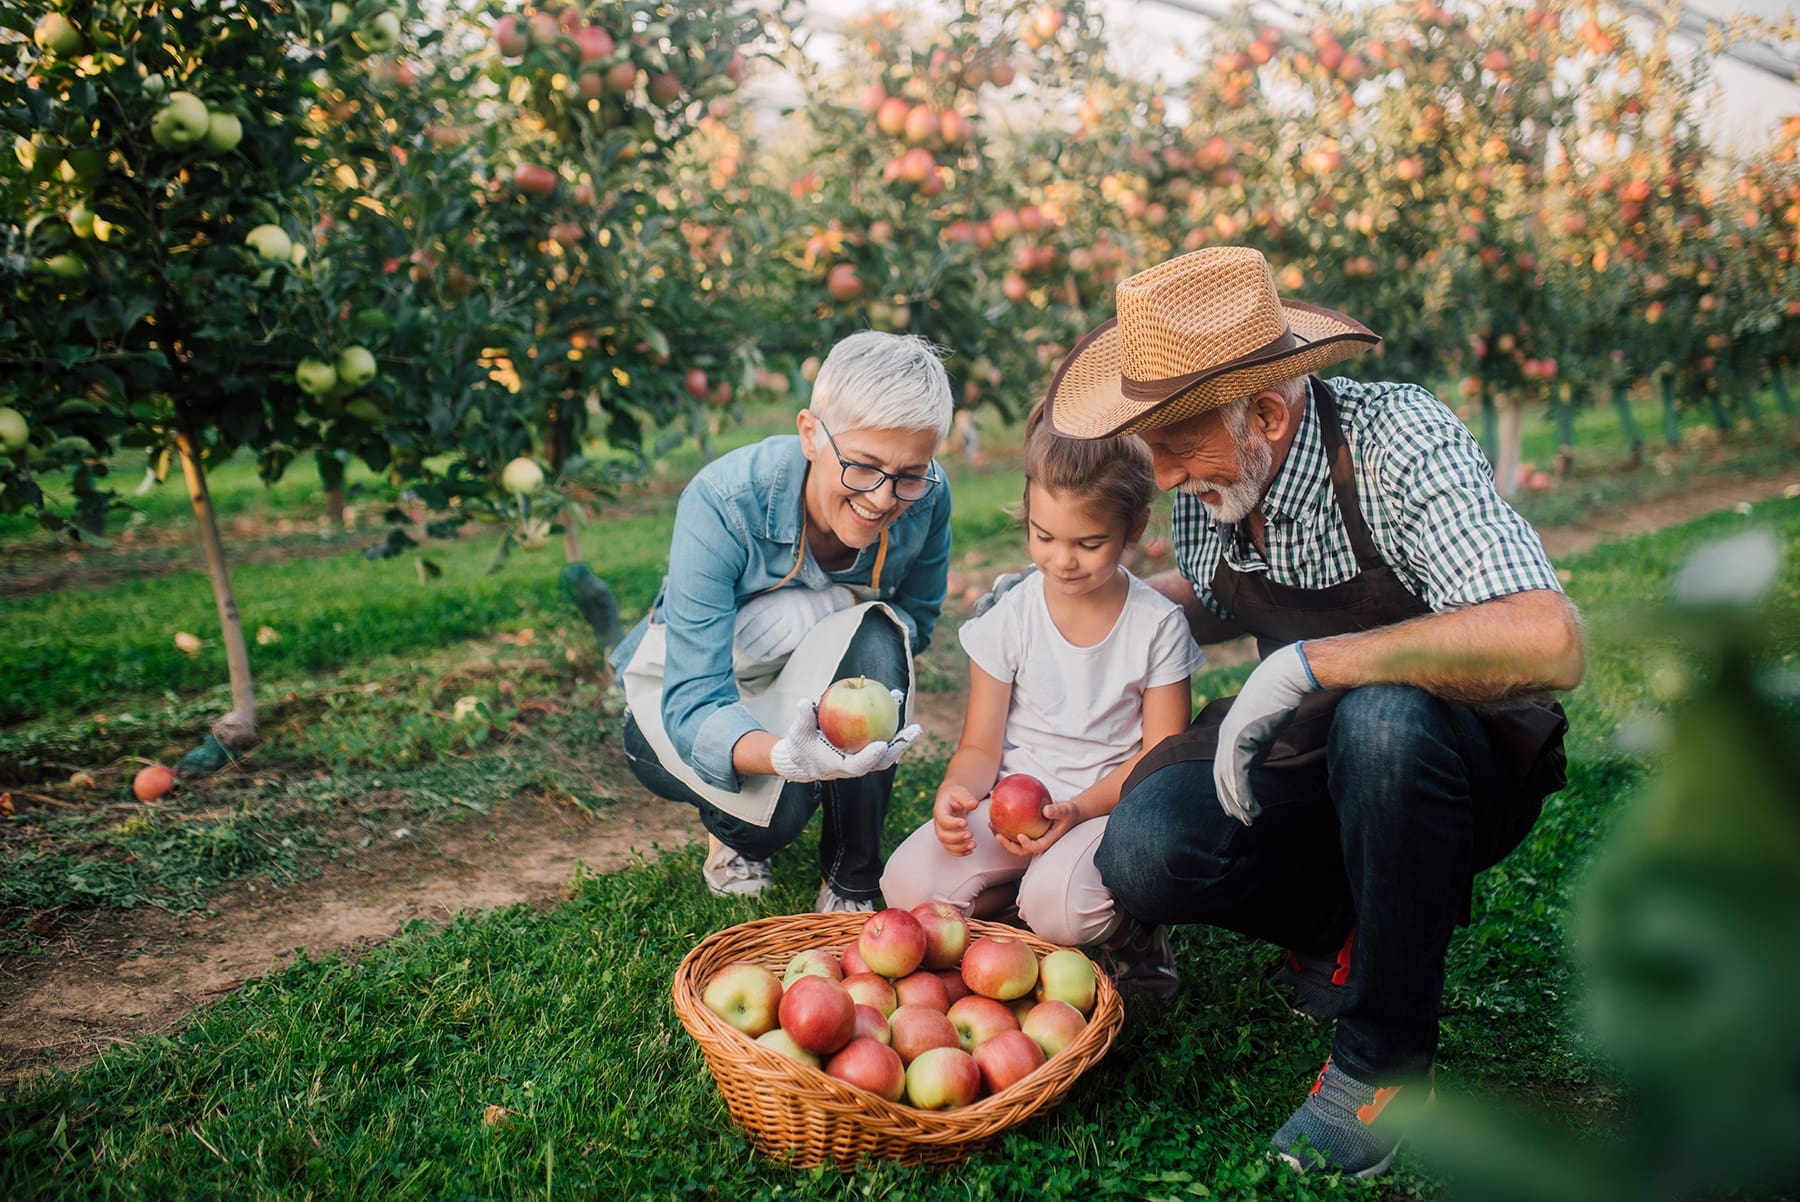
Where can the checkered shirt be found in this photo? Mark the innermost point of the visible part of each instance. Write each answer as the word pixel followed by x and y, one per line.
pixel 1426 492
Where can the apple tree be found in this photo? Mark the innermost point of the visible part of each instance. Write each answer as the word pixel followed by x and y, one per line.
pixel 153 256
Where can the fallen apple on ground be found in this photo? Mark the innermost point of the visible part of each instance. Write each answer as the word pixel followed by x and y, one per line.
pixel 151 782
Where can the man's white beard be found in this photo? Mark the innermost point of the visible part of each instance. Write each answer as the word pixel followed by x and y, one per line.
pixel 1254 458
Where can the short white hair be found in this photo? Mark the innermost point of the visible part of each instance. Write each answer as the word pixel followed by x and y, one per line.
pixel 877 381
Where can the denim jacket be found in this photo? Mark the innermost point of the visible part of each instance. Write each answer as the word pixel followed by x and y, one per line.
pixel 737 530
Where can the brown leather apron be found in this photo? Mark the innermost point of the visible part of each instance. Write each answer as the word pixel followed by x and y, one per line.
pixel 1527 734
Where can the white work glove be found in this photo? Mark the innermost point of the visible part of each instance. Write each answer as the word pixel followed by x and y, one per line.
pixel 803 754
pixel 1263 706
pixel 770 626
pixel 1002 583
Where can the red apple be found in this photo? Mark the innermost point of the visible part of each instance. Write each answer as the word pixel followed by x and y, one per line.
pixel 842 284
pixel 945 932
pixel 595 43
pixel 509 39
pixel 943 1079
pixel 917 1028
pixel 784 1043
pixel 892 943
pixel 1016 807
pixel 978 1019
pixel 923 988
pixel 869 1065
pixel 1065 975
pixel 872 990
pixel 851 959
pixel 534 180
pixel 872 1024
pixel 696 383
pixel 152 782
pixel 1053 1025
pixel 999 966
pixel 855 712
pixel 748 996
pixel 954 985
pixel 819 1013
pixel 813 962
pixel 1008 1057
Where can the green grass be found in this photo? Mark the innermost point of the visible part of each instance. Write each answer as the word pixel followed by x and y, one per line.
pixel 369 1079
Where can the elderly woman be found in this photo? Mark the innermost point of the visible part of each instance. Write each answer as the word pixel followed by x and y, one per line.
pixel 795 562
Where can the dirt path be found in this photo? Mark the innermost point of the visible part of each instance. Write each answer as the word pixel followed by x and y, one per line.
pixel 122 976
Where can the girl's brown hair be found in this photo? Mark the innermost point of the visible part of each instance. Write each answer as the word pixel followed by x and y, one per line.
pixel 1110 476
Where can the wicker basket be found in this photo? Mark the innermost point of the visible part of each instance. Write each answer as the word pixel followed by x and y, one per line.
pixel 798 1114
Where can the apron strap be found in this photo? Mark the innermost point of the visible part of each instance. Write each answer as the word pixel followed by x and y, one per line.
pixel 800 557
pixel 1343 475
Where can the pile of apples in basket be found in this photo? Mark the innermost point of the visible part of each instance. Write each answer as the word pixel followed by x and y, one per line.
pixel 913 1010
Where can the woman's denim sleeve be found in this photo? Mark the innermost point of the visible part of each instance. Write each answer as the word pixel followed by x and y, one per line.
pixel 920 597
pixel 707 557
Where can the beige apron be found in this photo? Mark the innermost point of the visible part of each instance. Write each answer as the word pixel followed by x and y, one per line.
pixel 769 691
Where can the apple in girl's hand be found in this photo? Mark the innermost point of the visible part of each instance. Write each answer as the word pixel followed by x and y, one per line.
pixel 869 1065
pixel 998 966
pixel 813 962
pixel 946 933
pixel 1007 1057
pixel 872 990
pixel 1053 1025
pixel 784 1043
pixel 748 996
pixel 943 1079
pixel 918 1028
pixel 819 1013
pixel 978 1019
pixel 1016 807
pixel 1065 975
pixel 892 943
pixel 857 711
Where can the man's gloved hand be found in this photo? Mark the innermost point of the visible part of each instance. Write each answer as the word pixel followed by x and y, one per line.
pixel 770 626
pixel 1002 583
pixel 804 755
pixel 1262 708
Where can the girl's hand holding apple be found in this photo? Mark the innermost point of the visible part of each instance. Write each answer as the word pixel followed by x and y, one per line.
pixel 949 815
pixel 1063 815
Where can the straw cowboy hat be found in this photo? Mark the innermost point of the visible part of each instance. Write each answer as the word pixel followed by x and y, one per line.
pixel 1192 334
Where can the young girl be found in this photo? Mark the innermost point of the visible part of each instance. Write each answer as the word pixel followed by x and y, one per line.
pixel 1074 674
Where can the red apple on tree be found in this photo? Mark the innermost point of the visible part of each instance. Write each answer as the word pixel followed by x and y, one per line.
pixel 745 995
pixel 1016 808
pixel 534 180
pixel 819 1013
pixel 1006 1058
pixel 853 713
pixel 871 1065
pixel 892 943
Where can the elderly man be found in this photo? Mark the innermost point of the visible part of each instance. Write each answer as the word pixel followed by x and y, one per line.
pixel 1394 739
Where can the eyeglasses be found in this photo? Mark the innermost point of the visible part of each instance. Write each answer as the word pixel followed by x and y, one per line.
pixel 866 477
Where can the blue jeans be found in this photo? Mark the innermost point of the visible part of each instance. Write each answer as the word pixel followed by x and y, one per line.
pixel 1382 835
pixel 850 833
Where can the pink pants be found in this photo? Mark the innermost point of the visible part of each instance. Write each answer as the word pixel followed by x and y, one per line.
pixel 1060 894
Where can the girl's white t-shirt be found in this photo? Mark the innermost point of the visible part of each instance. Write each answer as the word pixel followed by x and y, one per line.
pixel 1078 712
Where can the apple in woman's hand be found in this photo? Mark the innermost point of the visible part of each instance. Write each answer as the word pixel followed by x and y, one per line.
pixel 857 711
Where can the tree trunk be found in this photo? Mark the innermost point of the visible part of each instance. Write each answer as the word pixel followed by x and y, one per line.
pixel 1634 436
pixel 1778 378
pixel 1671 420
pixel 1744 394
pixel 1511 436
pixel 1490 430
pixel 1715 399
pixel 1563 400
pixel 237 729
pixel 331 479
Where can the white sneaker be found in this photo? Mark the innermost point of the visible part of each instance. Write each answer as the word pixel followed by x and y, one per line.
pixel 729 874
pixel 832 902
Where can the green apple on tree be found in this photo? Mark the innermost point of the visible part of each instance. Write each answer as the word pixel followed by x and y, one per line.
pixel 380 34
pixel 65 266
pixel 13 430
pixel 56 34
pixel 315 376
pixel 270 242
pixel 223 132
pixel 182 121
pixel 81 219
pixel 522 476
pixel 356 366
